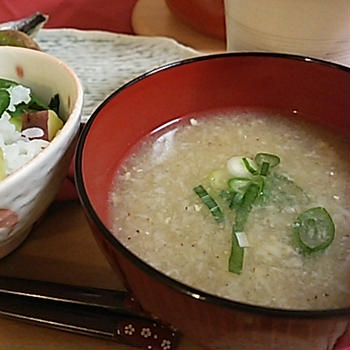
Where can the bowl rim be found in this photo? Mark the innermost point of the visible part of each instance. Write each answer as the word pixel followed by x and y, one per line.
pixel 180 287
pixel 73 118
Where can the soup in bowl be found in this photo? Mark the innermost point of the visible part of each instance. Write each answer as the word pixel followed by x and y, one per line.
pixel 217 187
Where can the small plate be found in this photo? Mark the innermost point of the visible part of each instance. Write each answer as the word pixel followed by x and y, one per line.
pixel 105 61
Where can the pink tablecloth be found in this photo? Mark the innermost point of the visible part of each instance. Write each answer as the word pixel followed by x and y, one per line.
pixel 111 15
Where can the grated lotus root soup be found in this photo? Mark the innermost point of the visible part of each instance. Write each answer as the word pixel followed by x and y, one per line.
pixel 274 235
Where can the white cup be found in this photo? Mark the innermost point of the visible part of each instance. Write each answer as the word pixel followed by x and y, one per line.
pixel 314 28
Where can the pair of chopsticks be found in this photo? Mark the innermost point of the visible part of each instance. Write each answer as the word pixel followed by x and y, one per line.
pixel 90 311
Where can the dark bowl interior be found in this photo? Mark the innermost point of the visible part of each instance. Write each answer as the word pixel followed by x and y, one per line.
pixel 302 87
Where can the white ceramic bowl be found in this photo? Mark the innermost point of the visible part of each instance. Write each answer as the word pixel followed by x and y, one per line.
pixel 27 193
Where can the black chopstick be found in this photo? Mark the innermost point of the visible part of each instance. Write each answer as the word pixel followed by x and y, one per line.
pixel 84 310
pixel 119 301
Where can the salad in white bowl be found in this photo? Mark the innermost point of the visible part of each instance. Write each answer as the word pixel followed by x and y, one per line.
pixel 27 125
pixel 41 100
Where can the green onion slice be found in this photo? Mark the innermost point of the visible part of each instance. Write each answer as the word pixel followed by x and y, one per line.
pixel 272 159
pixel 246 205
pixel 249 167
pixel 313 230
pixel 236 200
pixel 235 263
pixel 239 184
pixel 242 212
pixel 264 168
pixel 209 202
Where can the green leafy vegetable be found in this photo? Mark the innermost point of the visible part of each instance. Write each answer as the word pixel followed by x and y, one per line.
pixel 5 83
pixel 313 230
pixel 4 100
pixel 36 104
pixel 210 203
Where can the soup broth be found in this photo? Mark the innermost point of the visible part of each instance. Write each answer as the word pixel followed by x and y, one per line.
pixel 157 215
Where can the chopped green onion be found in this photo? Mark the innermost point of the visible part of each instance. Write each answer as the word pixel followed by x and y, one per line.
pixel 236 200
pixel 239 184
pixel 210 203
pixel 272 159
pixel 313 230
pixel 245 206
pixel 235 263
pixel 237 253
pixel 264 168
pixel 248 166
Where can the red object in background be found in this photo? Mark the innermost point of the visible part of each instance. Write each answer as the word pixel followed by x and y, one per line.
pixel 205 16
pixel 111 15
pixel 319 92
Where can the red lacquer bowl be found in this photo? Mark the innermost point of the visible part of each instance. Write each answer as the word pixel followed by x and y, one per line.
pixel 315 89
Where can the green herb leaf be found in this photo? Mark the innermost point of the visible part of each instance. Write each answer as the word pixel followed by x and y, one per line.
pixel 4 100
pixel 313 230
pixel 36 104
pixel 210 203
pixel 5 83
